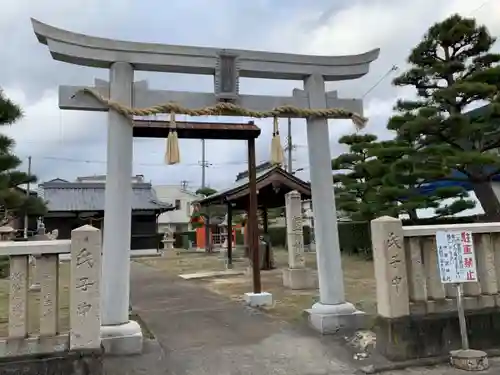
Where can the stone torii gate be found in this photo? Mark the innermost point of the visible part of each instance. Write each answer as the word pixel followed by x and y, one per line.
pixel 122 59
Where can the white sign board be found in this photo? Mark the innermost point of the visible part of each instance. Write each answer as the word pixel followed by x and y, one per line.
pixel 456 259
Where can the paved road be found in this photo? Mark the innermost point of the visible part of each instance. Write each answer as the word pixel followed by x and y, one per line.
pixel 199 332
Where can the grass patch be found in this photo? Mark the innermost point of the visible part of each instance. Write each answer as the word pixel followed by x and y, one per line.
pixel 289 304
pixel 145 330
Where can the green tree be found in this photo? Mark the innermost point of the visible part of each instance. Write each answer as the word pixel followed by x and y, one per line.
pixel 206 191
pixel 406 170
pixel 13 200
pixel 358 178
pixel 452 70
pixel 387 177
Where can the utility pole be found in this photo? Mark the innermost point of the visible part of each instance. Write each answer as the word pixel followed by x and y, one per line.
pixel 203 163
pixel 289 146
pixel 184 184
pixel 25 234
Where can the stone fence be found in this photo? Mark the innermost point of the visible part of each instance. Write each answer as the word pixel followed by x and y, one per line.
pixel 417 314
pixel 84 304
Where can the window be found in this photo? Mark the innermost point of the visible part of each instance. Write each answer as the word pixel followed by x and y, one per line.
pixel 188 208
pixel 177 204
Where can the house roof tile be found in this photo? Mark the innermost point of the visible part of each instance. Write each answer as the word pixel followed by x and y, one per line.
pixel 89 196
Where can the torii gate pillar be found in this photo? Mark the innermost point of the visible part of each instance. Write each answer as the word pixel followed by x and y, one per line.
pixel 122 58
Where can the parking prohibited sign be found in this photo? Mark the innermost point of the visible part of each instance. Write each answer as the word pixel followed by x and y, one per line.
pixel 456 259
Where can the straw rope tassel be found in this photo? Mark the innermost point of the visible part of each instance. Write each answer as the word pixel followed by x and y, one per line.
pixel 172 156
pixel 276 148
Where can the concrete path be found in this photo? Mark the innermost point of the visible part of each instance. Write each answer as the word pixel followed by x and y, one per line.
pixel 199 332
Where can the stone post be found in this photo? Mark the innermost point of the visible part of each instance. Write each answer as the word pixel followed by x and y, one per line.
pixel 332 311
pixel 39 236
pixel 390 267
pixel 296 276
pixel 120 336
pixel 85 311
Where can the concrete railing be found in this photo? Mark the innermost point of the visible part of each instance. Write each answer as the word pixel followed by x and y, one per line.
pixel 84 298
pixel 407 273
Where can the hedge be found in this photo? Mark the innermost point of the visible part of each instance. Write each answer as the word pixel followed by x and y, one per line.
pixel 354 237
pixel 4 267
pixel 179 237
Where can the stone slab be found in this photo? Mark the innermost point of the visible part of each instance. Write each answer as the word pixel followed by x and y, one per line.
pixel 299 278
pixel 210 274
pixel 258 299
pixel 469 360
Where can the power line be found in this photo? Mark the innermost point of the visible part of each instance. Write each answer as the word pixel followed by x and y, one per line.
pixel 479 7
pixel 89 161
pixel 392 69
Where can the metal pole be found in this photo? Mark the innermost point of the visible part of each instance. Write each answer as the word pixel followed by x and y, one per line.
pixel 25 233
pixel 290 146
pixel 229 235
pixel 253 226
pixel 203 163
pixel 461 317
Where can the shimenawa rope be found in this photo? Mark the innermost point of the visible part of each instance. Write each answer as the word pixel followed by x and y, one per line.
pixel 223 108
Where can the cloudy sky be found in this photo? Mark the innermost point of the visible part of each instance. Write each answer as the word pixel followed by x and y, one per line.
pixel 67 144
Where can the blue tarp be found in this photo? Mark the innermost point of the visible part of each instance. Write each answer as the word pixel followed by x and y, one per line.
pixel 429 188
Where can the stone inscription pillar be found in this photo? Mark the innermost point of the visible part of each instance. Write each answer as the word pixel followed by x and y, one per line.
pixel 296 276
pixel 390 267
pixel 85 288
pixel 294 230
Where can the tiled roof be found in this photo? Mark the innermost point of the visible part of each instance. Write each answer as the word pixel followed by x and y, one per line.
pixel 243 182
pixel 89 196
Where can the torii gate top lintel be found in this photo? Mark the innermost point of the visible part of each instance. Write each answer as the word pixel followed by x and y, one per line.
pixel 99 52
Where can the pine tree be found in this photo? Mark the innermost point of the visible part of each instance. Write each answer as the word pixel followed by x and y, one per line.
pixel 13 201
pixel 407 170
pixel 452 70
pixel 358 179
pixel 388 178
pixel 206 191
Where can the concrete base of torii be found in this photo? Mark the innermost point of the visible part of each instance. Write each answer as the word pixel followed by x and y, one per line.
pixel 330 319
pixel 122 339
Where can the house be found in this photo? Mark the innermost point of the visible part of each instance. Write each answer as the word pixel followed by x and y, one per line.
pixel 179 219
pixel 73 204
pixel 18 221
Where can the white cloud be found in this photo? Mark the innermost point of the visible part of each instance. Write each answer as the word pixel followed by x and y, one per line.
pixel 353 27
